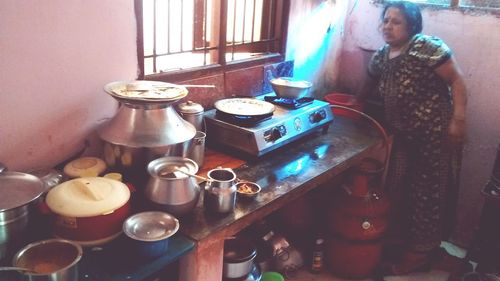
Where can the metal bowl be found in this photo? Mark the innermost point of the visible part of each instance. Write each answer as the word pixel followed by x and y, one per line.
pixel 149 232
pixel 247 189
pixel 287 87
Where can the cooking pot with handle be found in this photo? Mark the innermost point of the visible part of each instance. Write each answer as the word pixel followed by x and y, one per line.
pixel 19 196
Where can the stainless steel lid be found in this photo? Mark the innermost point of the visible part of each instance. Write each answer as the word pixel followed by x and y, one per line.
pixel 165 167
pixel 150 226
pixel 190 107
pixel 19 189
pixel 143 91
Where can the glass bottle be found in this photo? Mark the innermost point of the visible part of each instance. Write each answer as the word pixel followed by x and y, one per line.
pixel 317 255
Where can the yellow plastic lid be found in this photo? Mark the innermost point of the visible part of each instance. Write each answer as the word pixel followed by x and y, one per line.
pixel 85 167
pixel 87 197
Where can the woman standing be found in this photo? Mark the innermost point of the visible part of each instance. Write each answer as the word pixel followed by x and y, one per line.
pixel 424 97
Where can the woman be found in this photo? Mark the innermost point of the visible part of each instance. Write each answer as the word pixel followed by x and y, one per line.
pixel 424 97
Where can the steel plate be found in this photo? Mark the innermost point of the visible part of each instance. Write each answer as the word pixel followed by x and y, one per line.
pixel 146 91
pixel 244 106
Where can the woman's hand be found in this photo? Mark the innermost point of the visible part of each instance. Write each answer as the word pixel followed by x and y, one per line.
pixel 456 131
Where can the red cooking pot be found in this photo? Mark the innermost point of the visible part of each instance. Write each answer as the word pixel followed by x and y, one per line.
pixel 89 210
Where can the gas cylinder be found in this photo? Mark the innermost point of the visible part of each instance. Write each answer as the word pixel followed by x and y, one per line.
pixel 357 220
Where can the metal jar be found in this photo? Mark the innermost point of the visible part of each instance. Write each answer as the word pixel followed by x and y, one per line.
pixel 193 113
pixel 19 194
pixel 220 190
pixel 172 191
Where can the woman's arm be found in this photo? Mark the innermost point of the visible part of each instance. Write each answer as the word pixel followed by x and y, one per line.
pixel 451 73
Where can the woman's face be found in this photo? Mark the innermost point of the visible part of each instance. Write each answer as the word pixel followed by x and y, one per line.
pixel 395 28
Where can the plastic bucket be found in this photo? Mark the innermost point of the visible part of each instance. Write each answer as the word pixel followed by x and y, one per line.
pixel 345 100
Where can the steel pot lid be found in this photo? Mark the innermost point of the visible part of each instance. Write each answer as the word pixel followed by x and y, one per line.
pixel 87 197
pixel 244 106
pixel 190 107
pixel 150 226
pixel 19 189
pixel 165 167
pixel 145 91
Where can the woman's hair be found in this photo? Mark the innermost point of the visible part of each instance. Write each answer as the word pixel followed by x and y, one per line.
pixel 411 12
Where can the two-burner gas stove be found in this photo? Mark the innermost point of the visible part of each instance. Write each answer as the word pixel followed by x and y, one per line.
pixel 290 120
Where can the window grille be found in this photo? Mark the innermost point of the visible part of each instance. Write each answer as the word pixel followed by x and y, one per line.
pixel 179 35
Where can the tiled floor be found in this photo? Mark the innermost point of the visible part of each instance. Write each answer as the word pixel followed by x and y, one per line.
pixel 440 273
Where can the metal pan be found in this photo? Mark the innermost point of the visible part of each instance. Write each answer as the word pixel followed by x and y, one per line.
pixel 244 107
pixel 145 91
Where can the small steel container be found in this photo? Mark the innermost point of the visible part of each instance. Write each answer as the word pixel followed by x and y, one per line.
pixel 220 190
pixel 193 113
pixel 149 232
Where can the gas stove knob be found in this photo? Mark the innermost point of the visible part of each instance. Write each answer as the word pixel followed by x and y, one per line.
pixel 275 133
pixel 317 116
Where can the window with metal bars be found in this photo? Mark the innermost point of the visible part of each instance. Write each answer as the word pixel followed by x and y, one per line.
pixel 186 36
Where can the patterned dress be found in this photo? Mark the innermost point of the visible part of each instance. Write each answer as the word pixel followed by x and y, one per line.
pixel 422 175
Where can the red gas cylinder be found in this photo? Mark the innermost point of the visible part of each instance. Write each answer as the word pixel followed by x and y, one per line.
pixel 357 219
pixel 352 259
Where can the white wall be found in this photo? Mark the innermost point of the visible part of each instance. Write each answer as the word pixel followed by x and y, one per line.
pixel 475 42
pixel 55 58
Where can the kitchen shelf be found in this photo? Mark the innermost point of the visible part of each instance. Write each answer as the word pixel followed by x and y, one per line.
pixel 115 262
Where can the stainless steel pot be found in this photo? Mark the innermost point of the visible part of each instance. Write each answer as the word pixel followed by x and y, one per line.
pixel 239 254
pixel 19 194
pixel 142 131
pixel 170 190
pixel 196 150
pixel 50 260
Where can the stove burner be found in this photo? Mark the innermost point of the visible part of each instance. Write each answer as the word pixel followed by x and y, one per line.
pixel 288 102
pixel 242 120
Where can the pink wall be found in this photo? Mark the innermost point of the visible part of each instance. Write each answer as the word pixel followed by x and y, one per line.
pixel 475 42
pixel 55 57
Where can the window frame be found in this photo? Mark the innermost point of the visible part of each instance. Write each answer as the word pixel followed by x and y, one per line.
pixel 213 69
